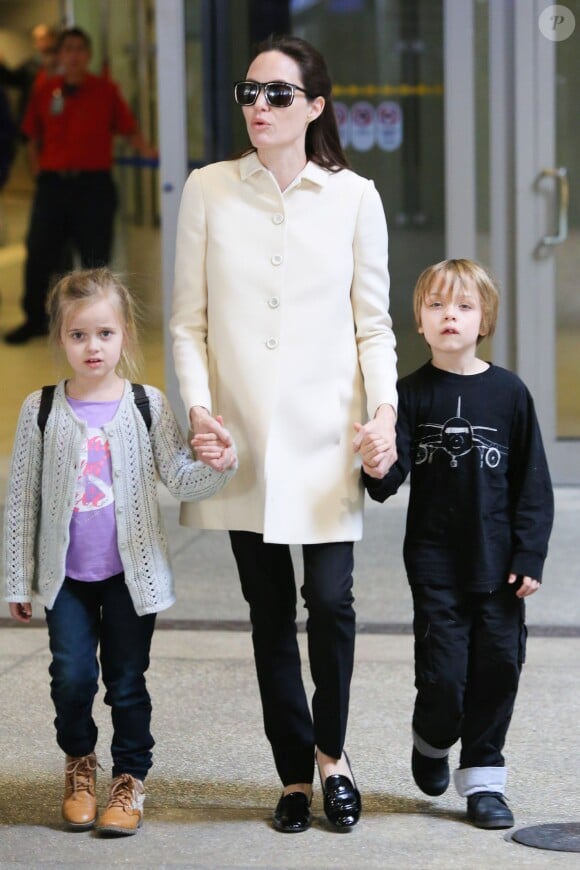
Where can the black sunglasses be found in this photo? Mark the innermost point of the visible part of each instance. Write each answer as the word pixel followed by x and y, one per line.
pixel 278 94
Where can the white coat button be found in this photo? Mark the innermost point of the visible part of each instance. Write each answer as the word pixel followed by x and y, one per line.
pixel 274 302
pixel 276 259
pixel 272 343
pixel 278 218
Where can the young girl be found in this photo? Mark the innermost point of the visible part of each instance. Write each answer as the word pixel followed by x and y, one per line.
pixel 83 529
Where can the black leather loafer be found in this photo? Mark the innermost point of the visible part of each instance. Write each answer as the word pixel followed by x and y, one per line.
pixel 292 814
pixel 489 809
pixel 342 800
pixel 430 774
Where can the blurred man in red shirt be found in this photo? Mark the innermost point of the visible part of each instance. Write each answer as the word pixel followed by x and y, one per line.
pixel 70 123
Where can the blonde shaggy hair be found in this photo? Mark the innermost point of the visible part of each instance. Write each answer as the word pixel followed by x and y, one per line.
pixel 443 278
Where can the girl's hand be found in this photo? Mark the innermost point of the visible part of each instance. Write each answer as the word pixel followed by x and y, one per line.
pixel 21 611
pixel 528 585
pixel 212 442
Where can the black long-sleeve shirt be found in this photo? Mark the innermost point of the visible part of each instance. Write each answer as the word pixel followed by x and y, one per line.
pixel 481 503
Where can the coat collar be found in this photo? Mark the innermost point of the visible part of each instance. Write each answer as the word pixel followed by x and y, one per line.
pixel 250 165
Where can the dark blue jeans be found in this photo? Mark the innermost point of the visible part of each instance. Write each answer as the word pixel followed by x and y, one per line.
pixel 86 616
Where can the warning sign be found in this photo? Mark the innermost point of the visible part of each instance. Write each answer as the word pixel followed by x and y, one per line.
pixel 389 126
pixel 362 124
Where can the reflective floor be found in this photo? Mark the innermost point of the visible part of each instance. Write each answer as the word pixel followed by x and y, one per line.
pixel 26 368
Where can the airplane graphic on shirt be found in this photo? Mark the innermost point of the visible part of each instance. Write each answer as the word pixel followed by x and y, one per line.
pixel 457 437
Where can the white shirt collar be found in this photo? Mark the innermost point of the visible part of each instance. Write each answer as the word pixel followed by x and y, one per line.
pixel 250 165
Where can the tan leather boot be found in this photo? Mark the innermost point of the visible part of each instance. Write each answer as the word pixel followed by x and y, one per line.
pixel 79 807
pixel 123 814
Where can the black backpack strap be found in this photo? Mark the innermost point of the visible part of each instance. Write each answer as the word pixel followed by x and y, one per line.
pixel 46 398
pixel 142 402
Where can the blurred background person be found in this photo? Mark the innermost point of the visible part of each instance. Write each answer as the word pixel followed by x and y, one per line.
pixel 34 70
pixel 7 151
pixel 7 140
pixel 70 123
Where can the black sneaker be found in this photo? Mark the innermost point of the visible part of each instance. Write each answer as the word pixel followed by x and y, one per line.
pixel 430 774
pixel 24 333
pixel 489 809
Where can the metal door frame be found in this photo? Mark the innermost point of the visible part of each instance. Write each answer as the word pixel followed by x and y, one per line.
pixel 171 84
pixel 533 204
pixel 522 112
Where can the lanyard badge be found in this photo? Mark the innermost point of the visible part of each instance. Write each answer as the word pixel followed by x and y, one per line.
pixel 57 102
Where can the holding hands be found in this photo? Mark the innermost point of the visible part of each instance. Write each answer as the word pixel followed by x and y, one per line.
pixel 376 442
pixel 211 441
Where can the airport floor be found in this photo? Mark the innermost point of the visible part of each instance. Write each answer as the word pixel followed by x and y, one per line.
pixel 213 786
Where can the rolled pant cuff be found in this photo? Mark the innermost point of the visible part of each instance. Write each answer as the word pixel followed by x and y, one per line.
pixel 426 749
pixel 469 780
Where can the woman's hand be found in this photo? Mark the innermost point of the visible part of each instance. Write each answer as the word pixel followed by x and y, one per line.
pixel 21 611
pixel 376 442
pixel 212 442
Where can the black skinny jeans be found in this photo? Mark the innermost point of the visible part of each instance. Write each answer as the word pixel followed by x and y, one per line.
pixel 268 585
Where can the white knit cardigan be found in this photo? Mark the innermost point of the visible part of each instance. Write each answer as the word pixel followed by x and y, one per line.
pixel 41 486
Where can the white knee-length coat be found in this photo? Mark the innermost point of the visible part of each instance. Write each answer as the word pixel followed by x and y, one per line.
pixel 281 324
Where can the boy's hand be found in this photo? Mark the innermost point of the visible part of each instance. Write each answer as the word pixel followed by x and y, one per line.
pixel 527 587
pixel 376 442
pixel 371 449
pixel 21 611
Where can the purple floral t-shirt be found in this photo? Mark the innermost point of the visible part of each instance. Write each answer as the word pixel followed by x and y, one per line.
pixel 93 553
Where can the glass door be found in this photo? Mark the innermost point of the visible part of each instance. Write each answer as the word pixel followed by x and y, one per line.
pixel 386 58
pixel 547 215
pixel 566 231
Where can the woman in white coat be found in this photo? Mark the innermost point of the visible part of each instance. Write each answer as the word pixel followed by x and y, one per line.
pixel 281 325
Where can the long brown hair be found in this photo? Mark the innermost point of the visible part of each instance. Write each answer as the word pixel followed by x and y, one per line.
pixel 322 138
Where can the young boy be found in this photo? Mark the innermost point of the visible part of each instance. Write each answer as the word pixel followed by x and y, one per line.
pixel 479 518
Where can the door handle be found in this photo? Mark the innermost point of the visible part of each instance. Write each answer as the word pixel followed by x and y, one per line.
pixel 561 176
